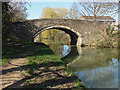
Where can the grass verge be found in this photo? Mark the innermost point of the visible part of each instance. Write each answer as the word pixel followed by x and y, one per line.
pixel 48 71
pixel 11 49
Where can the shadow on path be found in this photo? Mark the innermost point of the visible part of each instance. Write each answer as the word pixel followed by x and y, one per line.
pixel 58 80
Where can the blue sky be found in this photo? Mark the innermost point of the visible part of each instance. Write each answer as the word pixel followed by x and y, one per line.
pixel 34 11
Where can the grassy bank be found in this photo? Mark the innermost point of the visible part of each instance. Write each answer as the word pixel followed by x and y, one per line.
pixel 45 70
pixel 11 49
pixel 49 71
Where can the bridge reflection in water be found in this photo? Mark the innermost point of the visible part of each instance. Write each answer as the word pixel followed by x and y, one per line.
pixel 96 67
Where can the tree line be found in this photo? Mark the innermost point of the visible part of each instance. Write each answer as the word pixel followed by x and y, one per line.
pixel 12 12
pixel 83 8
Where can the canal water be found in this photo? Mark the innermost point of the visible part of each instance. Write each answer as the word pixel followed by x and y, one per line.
pixel 96 67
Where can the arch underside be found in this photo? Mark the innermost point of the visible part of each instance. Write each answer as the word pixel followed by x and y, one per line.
pixel 73 35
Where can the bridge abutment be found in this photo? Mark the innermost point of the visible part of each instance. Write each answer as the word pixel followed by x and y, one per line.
pixel 79 41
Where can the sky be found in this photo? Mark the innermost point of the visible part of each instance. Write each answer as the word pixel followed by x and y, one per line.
pixel 35 9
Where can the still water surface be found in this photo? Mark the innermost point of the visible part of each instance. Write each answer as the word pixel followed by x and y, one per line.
pixel 96 67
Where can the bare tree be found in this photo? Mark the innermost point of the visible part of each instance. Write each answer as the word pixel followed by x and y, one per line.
pixel 73 13
pixel 19 10
pixel 94 8
pixel 12 12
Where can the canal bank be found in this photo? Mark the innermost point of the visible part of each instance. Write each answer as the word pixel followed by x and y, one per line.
pixel 42 69
pixel 49 71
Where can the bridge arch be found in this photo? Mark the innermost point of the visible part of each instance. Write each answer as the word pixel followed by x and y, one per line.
pixel 75 36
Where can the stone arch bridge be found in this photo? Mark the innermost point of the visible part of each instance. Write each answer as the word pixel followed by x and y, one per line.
pixel 80 31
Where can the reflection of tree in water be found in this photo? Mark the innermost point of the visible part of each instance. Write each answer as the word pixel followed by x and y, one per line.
pixel 96 67
pixel 99 77
pixel 93 57
pixel 55 39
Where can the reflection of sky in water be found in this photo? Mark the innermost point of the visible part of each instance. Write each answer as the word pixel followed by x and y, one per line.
pixel 65 51
pixel 103 77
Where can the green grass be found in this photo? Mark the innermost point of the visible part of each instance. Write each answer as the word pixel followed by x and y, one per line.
pixel 44 57
pixel 9 50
